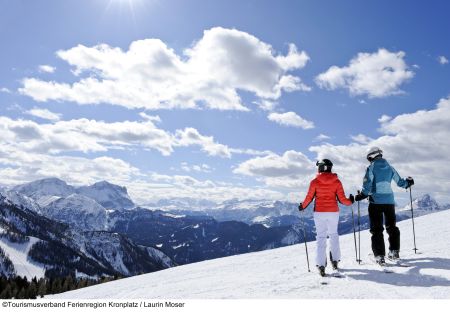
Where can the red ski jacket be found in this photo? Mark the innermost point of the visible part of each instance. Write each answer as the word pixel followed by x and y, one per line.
pixel 327 189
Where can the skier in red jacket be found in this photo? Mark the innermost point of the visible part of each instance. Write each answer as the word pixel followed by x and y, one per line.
pixel 326 188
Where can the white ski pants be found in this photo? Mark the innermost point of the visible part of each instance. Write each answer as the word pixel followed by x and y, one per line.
pixel 326 225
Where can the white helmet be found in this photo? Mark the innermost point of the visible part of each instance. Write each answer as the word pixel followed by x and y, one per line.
pixel 373 152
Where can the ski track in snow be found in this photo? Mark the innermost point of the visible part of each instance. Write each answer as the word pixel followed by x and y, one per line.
pixel 282 273
pixel 18 254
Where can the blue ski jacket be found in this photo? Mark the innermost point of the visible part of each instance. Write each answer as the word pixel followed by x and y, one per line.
pixel 377 182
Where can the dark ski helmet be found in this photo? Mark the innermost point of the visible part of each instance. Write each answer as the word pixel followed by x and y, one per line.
pixel 324 166
pixel 373 153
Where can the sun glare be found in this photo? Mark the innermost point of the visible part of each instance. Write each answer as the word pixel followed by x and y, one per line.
pixel 126 7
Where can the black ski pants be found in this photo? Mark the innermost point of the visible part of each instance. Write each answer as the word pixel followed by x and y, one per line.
pixel 376 213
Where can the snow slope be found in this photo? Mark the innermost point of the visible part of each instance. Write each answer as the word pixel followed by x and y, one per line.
pixel 18 254
pixel 282 273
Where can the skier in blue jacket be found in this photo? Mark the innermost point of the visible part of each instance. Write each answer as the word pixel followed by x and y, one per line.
pixel 377 186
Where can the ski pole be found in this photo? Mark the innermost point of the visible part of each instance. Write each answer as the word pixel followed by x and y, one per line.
pixel 359 233
pixel 354 234
pixel 412 216
pixel 304 239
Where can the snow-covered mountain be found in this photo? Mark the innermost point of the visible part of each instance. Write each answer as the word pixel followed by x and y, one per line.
pixel 46 189
pixel 21 200
pixel 108 195
pixel 193 235
pixel 188 239
pixel 282 273
pixel 36 245
pixel 117 251
pixel 85 207
pixel 78 211
pixel 423 205
pixel 181 203
pixel 251 211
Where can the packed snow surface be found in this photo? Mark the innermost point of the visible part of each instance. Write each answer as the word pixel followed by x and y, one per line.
pixel 18 254
pixel 283 273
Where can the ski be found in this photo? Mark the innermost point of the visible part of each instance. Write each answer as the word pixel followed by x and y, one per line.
pixel 397 262
pixel 337 274
pixel 325 280
pixel 383 267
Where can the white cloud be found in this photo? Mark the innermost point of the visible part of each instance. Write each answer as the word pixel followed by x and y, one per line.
pixel 322 137
pixel 362 139
pixel 290 119
pixel 84 135
pixel 294 59
pixel 158 186
pixel 384 118
pixel 95 136
pixel 203 168
pixel 190 136
pixel 151 118
pixel 46 69
pixel 44 114
pixel 266 105
pixel 290 163
pixel 292 170
pixel 416 144
pixel 5 90
pixel 19 164
pixel 378 74
pixel 250 151
pixel 442 60
pixel 152 76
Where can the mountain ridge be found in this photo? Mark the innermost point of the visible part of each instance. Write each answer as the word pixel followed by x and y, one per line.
pixel 282 273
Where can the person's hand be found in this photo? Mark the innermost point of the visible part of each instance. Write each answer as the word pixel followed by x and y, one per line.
pixel 409 181
pixel 352 198
pixel 360 196
pixel 300 207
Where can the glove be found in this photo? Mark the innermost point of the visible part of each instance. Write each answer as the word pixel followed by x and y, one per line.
pixel 300 207
pixel 360 196
pixel 352 198
pixel 409 181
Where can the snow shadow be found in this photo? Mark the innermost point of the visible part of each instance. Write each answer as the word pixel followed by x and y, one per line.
pixel 415 275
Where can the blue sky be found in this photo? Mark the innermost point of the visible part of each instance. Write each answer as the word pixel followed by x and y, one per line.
pixel 168 122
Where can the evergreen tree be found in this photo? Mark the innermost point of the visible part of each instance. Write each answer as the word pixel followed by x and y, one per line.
pixel 6 293
pixel 32 291
pixel 56 286
pixel 14 290
pixel 21 294
pixel 42 287
pixel 68 284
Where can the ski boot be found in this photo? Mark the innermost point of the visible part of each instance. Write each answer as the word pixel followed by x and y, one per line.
pixel 321 270
pixel 334 264
pixel 380 260
pixel 393 255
